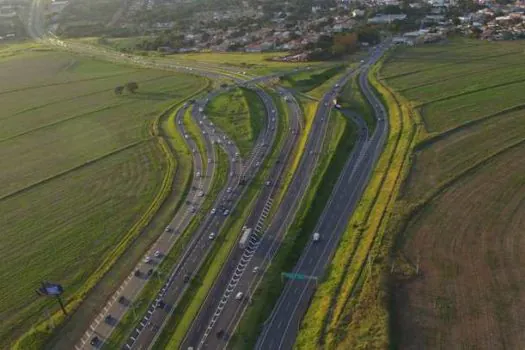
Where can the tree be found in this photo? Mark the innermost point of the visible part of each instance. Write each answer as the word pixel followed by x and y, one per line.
pixel 132 86
pixel 119 89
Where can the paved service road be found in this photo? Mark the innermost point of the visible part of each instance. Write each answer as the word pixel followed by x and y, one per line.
pixel 281 328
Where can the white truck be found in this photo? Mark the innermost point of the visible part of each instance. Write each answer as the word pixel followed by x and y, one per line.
pixel 245 237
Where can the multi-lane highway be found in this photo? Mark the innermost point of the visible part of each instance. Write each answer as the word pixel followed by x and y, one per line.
pixel 195 254
pixel 219 316
pixel 283 324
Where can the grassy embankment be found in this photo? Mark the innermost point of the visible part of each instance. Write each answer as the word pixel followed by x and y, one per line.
pixel 192 300
pixel 352 98
pixel 465 188
pixel 312 82
pixel 349 310
pixel 77 158
pixel 240 114
pixel 337 146
pixel 193 130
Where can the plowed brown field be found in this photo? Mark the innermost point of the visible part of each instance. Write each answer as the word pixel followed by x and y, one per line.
pixel 468 177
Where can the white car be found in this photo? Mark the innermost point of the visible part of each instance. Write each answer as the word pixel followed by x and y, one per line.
pixel 186 136
pixel 226 212
pixel 211 236
pixel 229 190
pixel 316 237
pixel 268 183
pixel 256 269
pixel 157 253
pixel 239 296
pixel 198 174
pixel 201 194
pixel 213 211
pixel 147 260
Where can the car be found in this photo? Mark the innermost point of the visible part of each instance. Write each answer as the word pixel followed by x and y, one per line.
pixel 94 341
pixel 193 210
pixel 362 61
pixel 273 128
pixel 229 142
pixel 226 212
pixel 198 174
pixel 157 253
pixel 336 85
pixel 316 237
pixel 186 278
pixel 237 154
pixel 137 273
pixel 229 190
pixel 150 272
pixel 204 132
pixel 209 160
pixel 213 211
pixel 160 304
pixel 256 269
pixel 193 150
pixel 257 163
pixel 268 183
pixel 239 296
pixel 186 136
pixel 326 104
pixel 108 319
pixel 147 259
pixel 200 122
pixel 231 174
pixel 211 236
pixel 220 334
pixel 234 160
pixel 201 194
pixel 169 229
pixel 273 120
pixel 211 123
pixel 179 122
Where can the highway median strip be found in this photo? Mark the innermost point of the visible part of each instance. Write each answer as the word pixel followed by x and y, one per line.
pixel 335 150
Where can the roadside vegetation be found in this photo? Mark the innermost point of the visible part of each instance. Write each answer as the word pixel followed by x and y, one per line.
pixel 466 189
pixel 84 173
pixel 306 81
pixel 240 113
pixel 193 130
pixel 337 145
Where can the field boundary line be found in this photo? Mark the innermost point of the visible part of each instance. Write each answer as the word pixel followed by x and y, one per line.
pixel 5 92
pixel 433 138
pixel 70 170
pixel 465 93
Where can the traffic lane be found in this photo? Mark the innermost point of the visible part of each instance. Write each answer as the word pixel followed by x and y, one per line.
pixel 226 274
pixel 133 285
pixel 268 239
pixel 147 336
pixel 315 257
pixel 218 289
pixel 298 299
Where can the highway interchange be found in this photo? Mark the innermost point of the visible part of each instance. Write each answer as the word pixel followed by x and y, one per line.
pixel 220 314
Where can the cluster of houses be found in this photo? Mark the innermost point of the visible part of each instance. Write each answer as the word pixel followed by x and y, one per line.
pixel 495 22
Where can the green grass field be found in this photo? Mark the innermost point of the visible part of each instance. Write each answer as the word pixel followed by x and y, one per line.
pixel 80 168
pixel 463 198
pixel 311 81
pixel 352 98
pixel 240 113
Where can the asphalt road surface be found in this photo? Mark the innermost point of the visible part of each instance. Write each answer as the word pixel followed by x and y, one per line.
pixel 281 328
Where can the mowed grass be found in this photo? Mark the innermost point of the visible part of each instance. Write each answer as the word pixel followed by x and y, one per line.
pixel 240 113
pixel 79 167
pixel 462 204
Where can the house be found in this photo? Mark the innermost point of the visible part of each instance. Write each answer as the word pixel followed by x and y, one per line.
pixel 358 13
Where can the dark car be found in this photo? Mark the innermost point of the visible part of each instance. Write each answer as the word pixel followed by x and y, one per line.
pixel 160 305
pixel 122 300
pixel 150 272
pixel 108 319
pixel 220 333
pixel 94 341
pixel 186 278
pixel 137 273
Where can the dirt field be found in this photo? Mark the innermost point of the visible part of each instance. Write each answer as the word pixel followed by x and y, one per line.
pixel 468 174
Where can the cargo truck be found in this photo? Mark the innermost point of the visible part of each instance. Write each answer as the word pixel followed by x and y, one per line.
pixel 245 237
